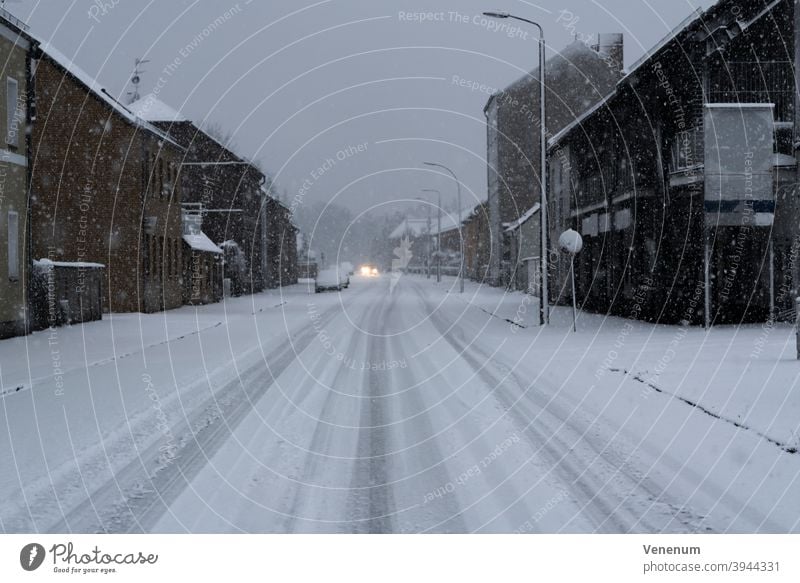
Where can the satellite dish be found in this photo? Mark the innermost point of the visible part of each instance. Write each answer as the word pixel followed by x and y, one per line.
pixel 570 242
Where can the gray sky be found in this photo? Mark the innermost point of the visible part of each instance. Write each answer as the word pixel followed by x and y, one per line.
pixel 301 82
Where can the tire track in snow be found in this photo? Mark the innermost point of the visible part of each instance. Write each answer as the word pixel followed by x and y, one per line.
pixel 321 439
pixel 372 505
pixel 137 495
pixel 620 465
pixel 445 515
pixel 578 480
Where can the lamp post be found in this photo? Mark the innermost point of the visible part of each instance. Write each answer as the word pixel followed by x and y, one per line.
pixel 544 300
pixel 438 232
pixel 428 244
pixel 460 232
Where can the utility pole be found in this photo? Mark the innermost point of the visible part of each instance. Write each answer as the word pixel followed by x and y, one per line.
pixel 458 218
pixel 438 233
pixel 544 302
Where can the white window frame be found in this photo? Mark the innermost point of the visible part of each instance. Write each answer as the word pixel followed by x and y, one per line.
pixel 12 100
pixel 13 245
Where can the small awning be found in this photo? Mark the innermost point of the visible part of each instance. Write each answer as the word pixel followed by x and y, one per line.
pixel 201 242
pixel 514 225
pixel 69 264
pixel 783 161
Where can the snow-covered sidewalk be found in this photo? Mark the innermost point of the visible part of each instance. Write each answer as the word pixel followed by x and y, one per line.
pixel 747 375
pixel 717 408
pixel 79 402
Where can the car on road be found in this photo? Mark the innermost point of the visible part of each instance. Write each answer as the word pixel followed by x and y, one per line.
pixel 329 279
pixel 368 270
pixel 347 268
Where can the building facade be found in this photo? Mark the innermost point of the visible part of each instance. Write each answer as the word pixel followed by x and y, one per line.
pixel 477 244
pixel 576 78
pixel 280 244
pixel 15 261
pixel 104 189
pixel 682 181
pixel 228 187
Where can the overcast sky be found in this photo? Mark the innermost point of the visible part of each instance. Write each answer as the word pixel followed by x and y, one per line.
pixel 300 82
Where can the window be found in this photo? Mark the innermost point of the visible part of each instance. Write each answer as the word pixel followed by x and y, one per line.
pixel 687 150
pixel 12 115
pixel 13 246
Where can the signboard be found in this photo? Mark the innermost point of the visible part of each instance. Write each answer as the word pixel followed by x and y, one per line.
pixel 589 225
pixel 604 225
pixel 739 143
pixel 622 219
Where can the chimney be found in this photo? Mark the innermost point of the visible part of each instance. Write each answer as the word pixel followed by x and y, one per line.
pixel 610 45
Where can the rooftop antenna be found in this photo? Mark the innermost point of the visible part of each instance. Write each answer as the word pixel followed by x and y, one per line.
pixel 136 79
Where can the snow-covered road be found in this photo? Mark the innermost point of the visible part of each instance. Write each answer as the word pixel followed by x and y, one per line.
pixel 399 407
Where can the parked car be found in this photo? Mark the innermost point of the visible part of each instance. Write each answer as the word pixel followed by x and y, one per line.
pixel 328 279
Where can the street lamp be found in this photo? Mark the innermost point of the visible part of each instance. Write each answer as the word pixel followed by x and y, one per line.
pixel 460 232
pixel 438 233
pixel 544 300
pixel 428 242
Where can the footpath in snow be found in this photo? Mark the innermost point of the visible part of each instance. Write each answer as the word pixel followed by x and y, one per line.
pixel 82 401
pixel 717 410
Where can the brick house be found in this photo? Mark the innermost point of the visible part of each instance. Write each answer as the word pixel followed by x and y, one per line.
pixel 683 180
pixel 104 188
pixel 477 244
pixel 228 187
pixel 202 262
pixel 15 48
pixel 280 246
pixel 525 242
pixel 577 78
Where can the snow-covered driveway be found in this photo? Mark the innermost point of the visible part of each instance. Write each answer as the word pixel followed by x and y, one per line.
pixel 405 408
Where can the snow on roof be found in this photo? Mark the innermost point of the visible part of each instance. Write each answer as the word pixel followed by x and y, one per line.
pixel 783 160
pixel 415 227
pixel 152 109
pixel 685 23
pixel 580 119
pixel 201 242
pixel 514 225
pixel 92 85
pixel 449 222
pixel 72 264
